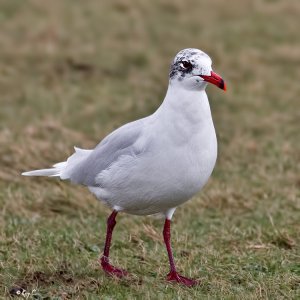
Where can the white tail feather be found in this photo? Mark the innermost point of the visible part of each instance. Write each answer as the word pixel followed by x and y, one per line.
pixel 62 169
pixel 43 172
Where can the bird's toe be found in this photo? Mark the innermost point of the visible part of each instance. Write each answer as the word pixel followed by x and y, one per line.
pixel 175 277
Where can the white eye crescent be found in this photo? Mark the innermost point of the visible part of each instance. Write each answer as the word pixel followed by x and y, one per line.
pixel 186 65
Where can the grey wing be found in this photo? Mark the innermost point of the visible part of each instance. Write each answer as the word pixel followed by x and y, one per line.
pixel 119 142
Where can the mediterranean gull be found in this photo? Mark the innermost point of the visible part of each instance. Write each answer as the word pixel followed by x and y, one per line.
pixel 154 164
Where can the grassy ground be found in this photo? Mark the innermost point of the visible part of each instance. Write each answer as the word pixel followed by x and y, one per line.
pixel 72 71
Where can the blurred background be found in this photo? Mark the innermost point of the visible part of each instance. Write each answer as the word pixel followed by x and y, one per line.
pixel 72 71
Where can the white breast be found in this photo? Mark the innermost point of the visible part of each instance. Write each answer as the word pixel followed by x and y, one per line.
pixel 180 150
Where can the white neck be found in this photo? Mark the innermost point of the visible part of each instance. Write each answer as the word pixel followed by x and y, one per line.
pixel 184 114
pixel 182 104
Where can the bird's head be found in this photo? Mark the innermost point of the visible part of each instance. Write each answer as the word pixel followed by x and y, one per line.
pixel 191 69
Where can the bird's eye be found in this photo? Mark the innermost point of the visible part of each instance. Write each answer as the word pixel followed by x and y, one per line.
pixel 186 65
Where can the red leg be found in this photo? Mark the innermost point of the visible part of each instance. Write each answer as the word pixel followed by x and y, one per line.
pixel 106 266
pixel 173 276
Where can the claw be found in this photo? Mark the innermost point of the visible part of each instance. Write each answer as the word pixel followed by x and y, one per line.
pixel 111 270
pixel 175 277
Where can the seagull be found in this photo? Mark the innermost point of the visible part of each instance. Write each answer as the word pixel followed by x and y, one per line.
pixel 154 164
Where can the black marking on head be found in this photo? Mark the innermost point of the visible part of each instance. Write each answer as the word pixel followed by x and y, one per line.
pixel 182 67
pixel 183 64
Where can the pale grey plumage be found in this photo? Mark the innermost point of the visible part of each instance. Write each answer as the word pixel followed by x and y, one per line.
pixel 157 163
pixel 119 142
